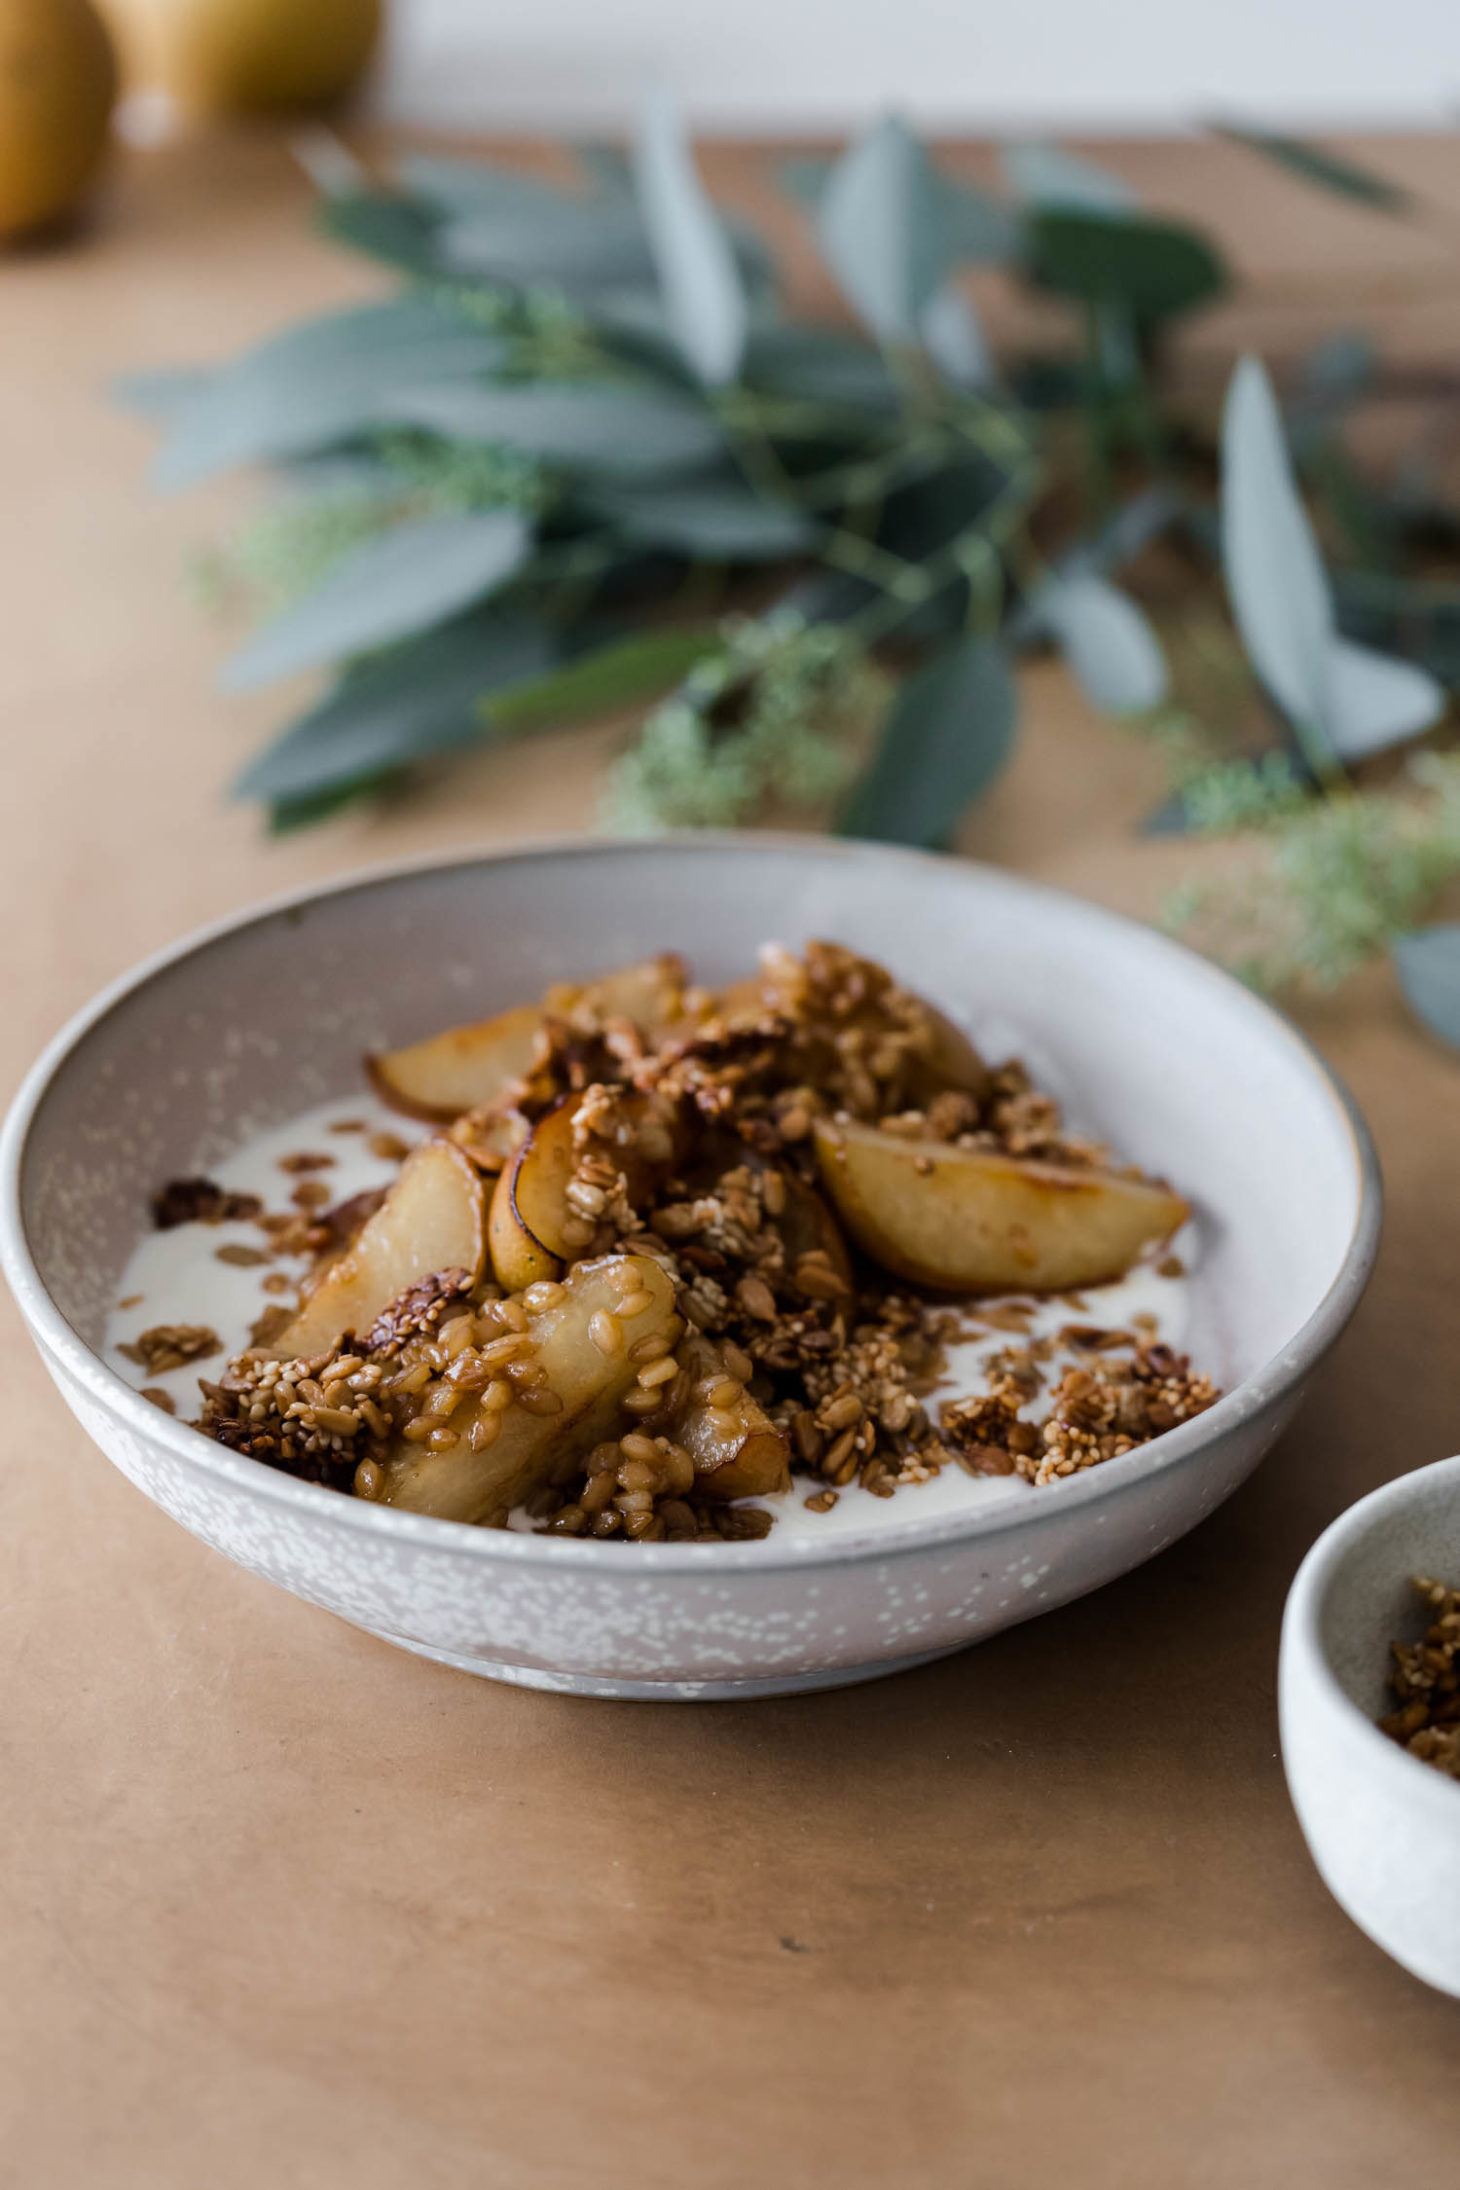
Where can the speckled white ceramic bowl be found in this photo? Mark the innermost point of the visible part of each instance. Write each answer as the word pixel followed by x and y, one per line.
pixel 249 1023
pixel 1383 1828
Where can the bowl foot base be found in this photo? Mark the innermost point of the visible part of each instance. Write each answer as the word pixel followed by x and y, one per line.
pixel 683 1691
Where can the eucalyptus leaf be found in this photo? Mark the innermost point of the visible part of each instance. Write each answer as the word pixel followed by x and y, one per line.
pixel 573 243
pixel 407 580
pixel 160 396
pixel 948 735
pixel 421 697
pixel 698 277
pixel 883 225
pixel 1329 170
pixel 1428 964
pixel 1107 641
pixel 318 383
pixel 982 229
pixel 625 673
pixel 1043 174
pixel 1153 268
pixel 608 167
pixel 821 365
pixel 1350 700
pixel 384 227
pixel 287 815
pixel 463 187
pixel 713 521
pixel 1373 701
pixel 1126 533
pixel 590 425
pixel 1416 616
pixel 1275 577
pixel 953 337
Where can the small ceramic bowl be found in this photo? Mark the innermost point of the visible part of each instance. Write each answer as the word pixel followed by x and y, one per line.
pixel 245 1026
pixel 1383 1828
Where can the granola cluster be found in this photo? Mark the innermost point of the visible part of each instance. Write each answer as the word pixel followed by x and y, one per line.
pixel 1426 1684
pixel 1131 1390
pixel 169 1346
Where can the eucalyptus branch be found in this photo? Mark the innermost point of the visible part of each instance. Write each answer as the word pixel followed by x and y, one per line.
pixel 581 404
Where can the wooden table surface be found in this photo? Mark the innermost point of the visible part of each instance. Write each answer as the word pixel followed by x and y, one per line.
pixel 282 1906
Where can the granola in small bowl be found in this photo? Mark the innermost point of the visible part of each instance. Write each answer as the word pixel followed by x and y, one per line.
pixel 1425 1683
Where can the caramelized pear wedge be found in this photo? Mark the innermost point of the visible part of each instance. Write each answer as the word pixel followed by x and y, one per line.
pixel 652 995
pixel 469 1067
pixel 526 1449
pixel 433 1219
pixel 463 1069
pixel 533 1230
pixel 970 1221
pixel 737 1450
pixel 949 1059
pixel 530 1205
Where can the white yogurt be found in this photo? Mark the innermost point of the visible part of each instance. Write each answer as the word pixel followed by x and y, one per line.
pixel 176 1277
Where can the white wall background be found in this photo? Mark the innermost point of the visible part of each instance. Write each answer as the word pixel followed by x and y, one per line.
pixel 786 65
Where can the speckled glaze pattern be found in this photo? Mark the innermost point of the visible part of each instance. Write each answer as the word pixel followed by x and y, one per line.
pixel 244 1026
pixel 1382 1827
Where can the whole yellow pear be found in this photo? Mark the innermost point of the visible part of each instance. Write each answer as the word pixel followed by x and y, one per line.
pixel 58 82
pixel 247 56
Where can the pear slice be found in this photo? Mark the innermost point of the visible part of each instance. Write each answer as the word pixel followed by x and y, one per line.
pixel 462 1069
pixel 468 1067
pixel 433 1219
pixel 950 1059
pixel 532 1230
pixel 738 1452
pixel 651 994
pixel 529 1203
pixel 966 1220
pixel 528 1449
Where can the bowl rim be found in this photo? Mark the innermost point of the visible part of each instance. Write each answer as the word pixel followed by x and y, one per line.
pixel 1301 1642
pixel 1183 1445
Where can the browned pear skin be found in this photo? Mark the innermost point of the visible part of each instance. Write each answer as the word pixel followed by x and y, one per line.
pixel 530 1449
pixel 530 1206
pixel 433 1219
pixel 972 1221
pixel 462 1069
pixel 738 1452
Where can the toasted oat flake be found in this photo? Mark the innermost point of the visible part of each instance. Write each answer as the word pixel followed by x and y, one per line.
pixel 171 1345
